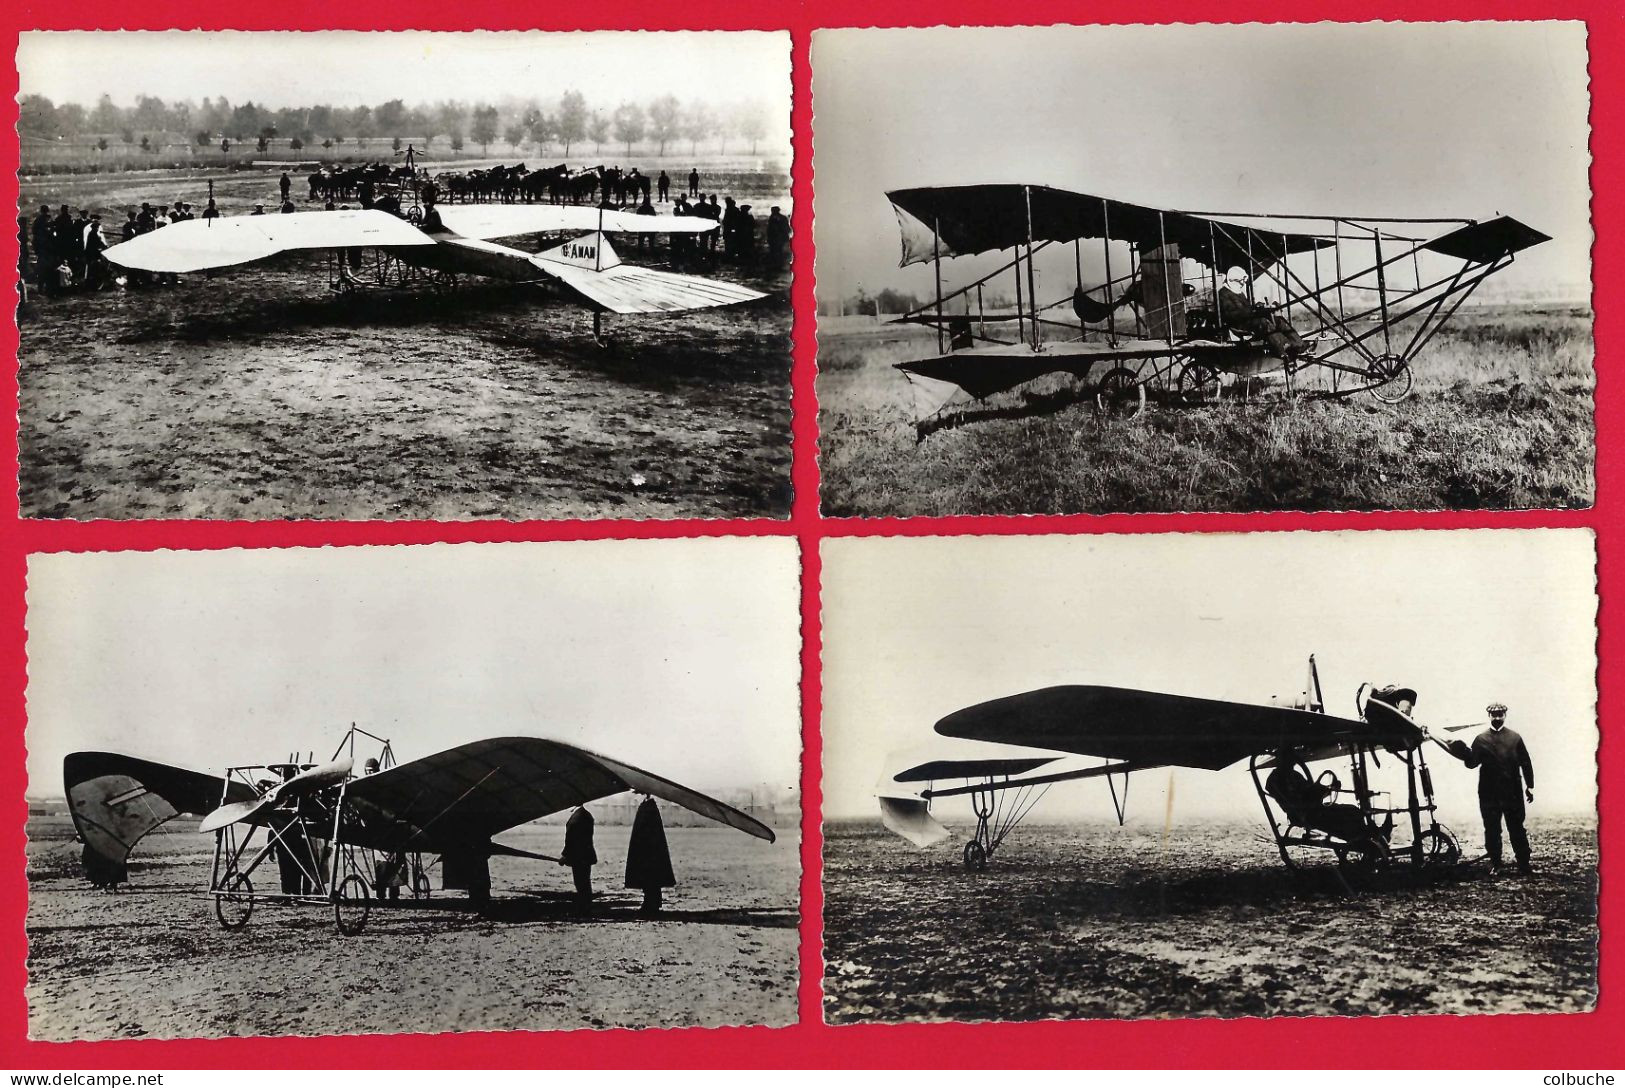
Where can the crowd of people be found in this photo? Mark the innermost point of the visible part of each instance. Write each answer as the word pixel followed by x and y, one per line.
pixel 63 253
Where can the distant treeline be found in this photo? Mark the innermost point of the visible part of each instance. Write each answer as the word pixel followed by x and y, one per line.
pixel 891 301
pixel 215 123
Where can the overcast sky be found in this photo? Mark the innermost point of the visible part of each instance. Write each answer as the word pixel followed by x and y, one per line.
pixel 1412 119
pixel 678 656
pixel 352 68
pixel 916 628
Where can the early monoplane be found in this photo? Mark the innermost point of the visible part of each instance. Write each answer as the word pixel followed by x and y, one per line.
pixel 447 241
pixel 1182 314
pixel 330 835
pixel 1135 730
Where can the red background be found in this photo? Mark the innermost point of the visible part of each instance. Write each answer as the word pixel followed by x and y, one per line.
pixel 1554 1042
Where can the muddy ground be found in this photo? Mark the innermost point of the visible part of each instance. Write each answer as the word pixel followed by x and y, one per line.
pixel 1091 921
pixel 153 962
pixel 255 393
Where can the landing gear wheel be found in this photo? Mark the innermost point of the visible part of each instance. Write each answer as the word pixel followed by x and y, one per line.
pixel 235 902
pixel 421 886
pixel 1439 849
pixel 975 857
pixel 1120 394
pixel 1360 862
pixel 1198 383
pixel 1395 375
pixel 351 904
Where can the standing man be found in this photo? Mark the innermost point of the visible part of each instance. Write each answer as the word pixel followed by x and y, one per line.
pixel 648 861
pixel 693 181
pixel 665 186
pixel 284 183
pixel 1506 779
pixel 579 854
pixel 45 250
pixel 778 237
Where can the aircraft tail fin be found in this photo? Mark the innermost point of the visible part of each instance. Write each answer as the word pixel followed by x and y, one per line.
pixel 910 817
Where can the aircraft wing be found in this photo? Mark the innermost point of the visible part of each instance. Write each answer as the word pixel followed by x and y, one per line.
pixel 460 797
pixel 590 268
pixel 506 220
pixel 936 769
pixel 986 369
pixel 115 800
pixel 1147 727
pixel 952 220
pixel 197 244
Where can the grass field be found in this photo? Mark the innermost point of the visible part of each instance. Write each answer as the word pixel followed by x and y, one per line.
pixel 1501 418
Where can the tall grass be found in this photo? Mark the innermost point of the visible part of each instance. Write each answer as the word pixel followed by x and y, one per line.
pixel 1501 418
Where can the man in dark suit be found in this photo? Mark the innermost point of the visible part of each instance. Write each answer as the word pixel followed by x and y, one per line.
pixel 1506 779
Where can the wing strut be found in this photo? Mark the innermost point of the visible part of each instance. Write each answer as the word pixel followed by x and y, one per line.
pixel 1120 805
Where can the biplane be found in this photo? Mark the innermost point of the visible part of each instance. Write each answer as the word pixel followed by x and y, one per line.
pixel 328 835
pixel 1182 312
pixel 445 242
pixel 1039 735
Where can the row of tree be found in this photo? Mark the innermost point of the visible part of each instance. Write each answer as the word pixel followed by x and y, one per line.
pixel 569 121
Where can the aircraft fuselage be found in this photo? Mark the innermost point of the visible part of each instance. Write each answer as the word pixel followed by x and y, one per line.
pixel 470 256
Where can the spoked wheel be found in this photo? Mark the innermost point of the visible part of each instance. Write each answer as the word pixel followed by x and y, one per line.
pixel 975 856
pixel 420 886
pixel 351 904
pixel 1361 862
pixel 1440 850
pixel 1198 383
pixel 235 902
pixel 414 215
pixel 1120 393
pixel 1394 374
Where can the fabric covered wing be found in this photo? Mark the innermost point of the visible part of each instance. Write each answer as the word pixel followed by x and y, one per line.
pixel 978 218
pixel 115 800
pixel 628 289
pixel 938 769
pixel 463 796
pixel 196 244
pixel 1146 726
pixel 1490 241
pixel 506 220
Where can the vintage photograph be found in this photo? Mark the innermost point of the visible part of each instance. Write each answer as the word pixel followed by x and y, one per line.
pixel 413 789
pixel 1231 268
pixel 1216 775
pixel 404 275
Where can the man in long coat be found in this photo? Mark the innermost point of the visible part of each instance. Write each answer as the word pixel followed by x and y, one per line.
pixel 579 854
pixel 648 861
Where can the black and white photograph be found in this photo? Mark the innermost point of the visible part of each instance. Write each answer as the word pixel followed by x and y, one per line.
pixel 436 788
pixel 1101 269
pixel 1210 775
pixel 386 276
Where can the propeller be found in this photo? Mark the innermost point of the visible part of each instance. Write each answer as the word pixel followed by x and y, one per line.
pixel 300 785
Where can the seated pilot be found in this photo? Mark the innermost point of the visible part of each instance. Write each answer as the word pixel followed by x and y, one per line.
pixel 1305 804
pixel 1231 309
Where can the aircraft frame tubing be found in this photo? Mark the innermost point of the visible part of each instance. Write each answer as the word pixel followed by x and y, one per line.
pixel 1425 842
pixel 293 840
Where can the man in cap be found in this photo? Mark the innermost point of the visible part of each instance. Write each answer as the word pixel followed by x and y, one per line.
pixel 1506 780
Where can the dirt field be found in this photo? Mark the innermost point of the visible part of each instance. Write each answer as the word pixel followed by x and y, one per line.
pixel 1086 921
pixel 153 962
pixel 1501 418
pixel 256 394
